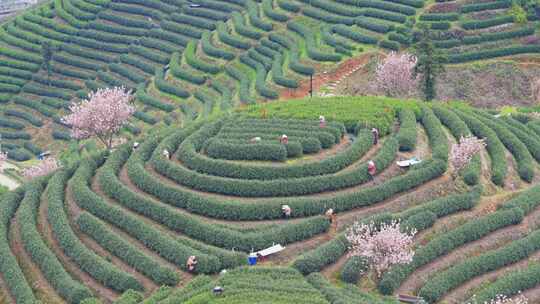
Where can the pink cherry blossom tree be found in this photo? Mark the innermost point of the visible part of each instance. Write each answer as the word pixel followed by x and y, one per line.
pixel 383 246
pixel 44 167
pixel 462 152
pixel 101 115
pixel 395 77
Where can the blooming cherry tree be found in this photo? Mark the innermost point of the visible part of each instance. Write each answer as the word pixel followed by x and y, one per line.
pixel 395 77
pixel 382 246
pixel 44 167
pixel 101 115
pixel 462 152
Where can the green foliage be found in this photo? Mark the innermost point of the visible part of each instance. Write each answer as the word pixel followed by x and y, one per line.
pixel 428 66
pixel 184 74
pixel 407 130
pixel 476 7
pixel 192 60
pixel 12 274
pixel 130 297
pixel 101 270
pixel 316 259
pixel 313 49
pixel 225 37
pixel 459 273
pixel 495 147
pixel 480 24
pixel 353 269
pixel 166 87
pixel 39 252
pixel 213 51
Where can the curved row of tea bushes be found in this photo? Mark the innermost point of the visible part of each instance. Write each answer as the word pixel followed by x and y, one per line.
pixel 524 160
pixel 127 252
pixel 185 74
pixel 260 80
pixel 311 43
pixel 278 76
pixel 528 138
pixel 316 259
pixel 353 269
pixel 244 91
pixel 511 213
pixel 188 154
pixel 169 248
pixel 284 187
pixel 12 274
pixel 192 60
pixel 103 271
pixel 294 54
pixel 241 150
pixel 229 39
pixel 270 12
pixel 242 29
pixel 217 235
pixel 168 88
pixel 494 146
pixel 271 209
pixel 460 273
pixel 210 50
pixel 68 288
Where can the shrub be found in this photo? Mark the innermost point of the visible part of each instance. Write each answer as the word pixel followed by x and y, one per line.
pixel 225 37
pixel 407 131
pixel 289 6
pixel 193 21
pixel 480 24
pixel 168 88
pixel 140 64
pixel 221 149
pixel 476 7
pixel 184 74
pixel 213 51
pixel 277 74
pixel 294 63
pixel 316 259
pixel 355 36
pixel 312 48
pixel 327 17
pixel 182 29
pixel 373 25
pixel 192 60
pixel 149 54
pixel 353 269
pixel 260 80
pixel 245 84
pixel 268 10
pixel 149 100
pixel 255 20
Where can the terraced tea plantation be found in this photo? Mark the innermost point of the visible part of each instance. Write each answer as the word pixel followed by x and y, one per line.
pixel 187 60
pixel 119 227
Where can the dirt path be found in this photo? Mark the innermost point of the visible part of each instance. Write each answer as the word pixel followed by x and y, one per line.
pixel 70 266
pixel 331 272
pixel 320 79
pixel 41 288
pixel 488 242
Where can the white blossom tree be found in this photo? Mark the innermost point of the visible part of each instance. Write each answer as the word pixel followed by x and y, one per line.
pixel 44 167
pixel 101 115
pixel 395 76
pixel 462 152
pixel 382 246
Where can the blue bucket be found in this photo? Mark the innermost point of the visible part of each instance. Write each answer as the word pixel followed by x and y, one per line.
pixel 252 259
